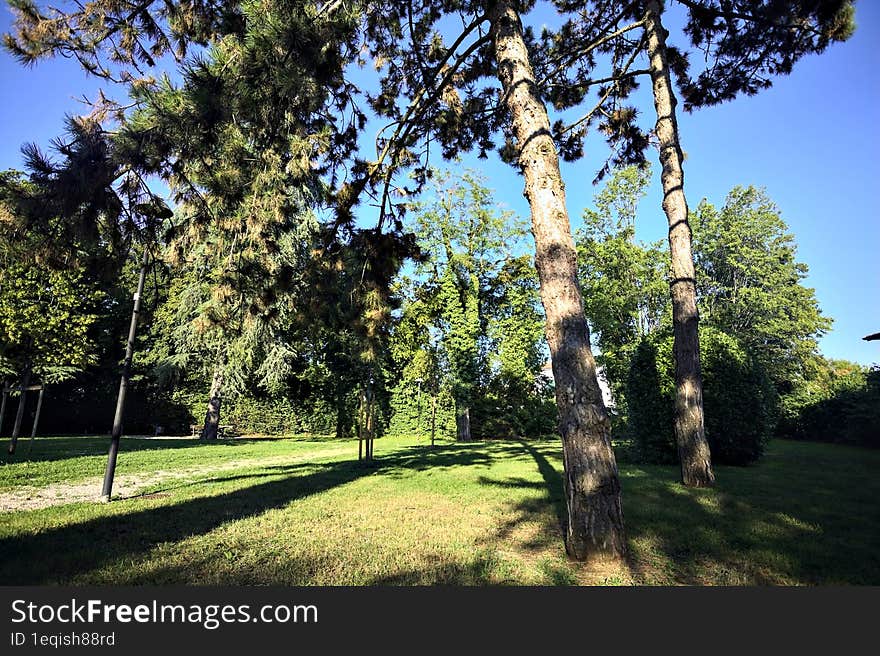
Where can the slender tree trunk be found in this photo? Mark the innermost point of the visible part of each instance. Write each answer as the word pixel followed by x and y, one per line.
pixel 19 416
pixel 3 405
pixel 433 417
pixel 36 418
pixel 690 435
pixel 592 488
pixel 462 423
pixel 370 421
pixel 212 416
pixel 360 424
pixel 365 425
pixel 370 428
pixel 37 415
pixel 116 433
pixel 340 416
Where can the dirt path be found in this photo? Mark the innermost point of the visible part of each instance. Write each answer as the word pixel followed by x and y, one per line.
pixel 127 486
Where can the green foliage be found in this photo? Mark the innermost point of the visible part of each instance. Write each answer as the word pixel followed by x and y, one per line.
pixel 279 416
pixel 840 402
pixel 516 327
pixel 650 410
pixel 458 300
pixel 466 239
pixel 744 44
pixel 726 49
pixel 45 321
pixel 470 325
pixel 411 408
pixel 623 281
pixel 750 283
pixel 50 299
pixel 506 412
pixel 739 399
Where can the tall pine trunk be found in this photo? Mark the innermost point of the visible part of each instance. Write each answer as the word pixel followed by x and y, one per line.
pixel 462 423
pixel 116 432
pixel 690 434
pixel 212 416
pixel 592 488
pixel 19 415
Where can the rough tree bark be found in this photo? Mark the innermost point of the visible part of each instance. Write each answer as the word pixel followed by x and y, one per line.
pixel 690 434
pixel 592 487
pixel 116 433
pixel 212 416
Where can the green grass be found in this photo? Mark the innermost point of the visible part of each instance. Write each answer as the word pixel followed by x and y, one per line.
pixel 305 512
pixel 72 459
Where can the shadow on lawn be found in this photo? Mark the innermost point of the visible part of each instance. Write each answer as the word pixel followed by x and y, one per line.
pixel 801 516
pixel 56 555
pixel 535 507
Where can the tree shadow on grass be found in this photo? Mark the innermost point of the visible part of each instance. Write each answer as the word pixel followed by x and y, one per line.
pixel 535 506
pixel 798 517
pixel 478 571
pixel 59 554
pixel 792 518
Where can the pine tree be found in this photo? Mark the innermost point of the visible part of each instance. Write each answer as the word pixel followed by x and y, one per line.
pixel 744 44
pixel 88 209
pixel 443 100
pixel 690 431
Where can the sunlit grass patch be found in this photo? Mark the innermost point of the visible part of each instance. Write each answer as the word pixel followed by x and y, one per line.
pixel 297 512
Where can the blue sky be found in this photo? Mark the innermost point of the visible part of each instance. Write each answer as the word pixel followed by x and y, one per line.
pixel 811 140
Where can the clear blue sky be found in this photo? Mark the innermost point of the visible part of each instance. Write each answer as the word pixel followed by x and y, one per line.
pixel 811 140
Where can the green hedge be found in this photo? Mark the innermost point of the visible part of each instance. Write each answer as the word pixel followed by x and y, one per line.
pixel 650 417
pixel 738 398
pixel 410 412
pixel 845 410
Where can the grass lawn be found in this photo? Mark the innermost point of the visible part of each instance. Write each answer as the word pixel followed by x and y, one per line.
pixel 303 511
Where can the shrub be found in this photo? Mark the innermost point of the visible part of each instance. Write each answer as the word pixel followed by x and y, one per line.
pixel 841 404
pixel 278 416
pixel 410 411
pixel 650 410
pixel 738 399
